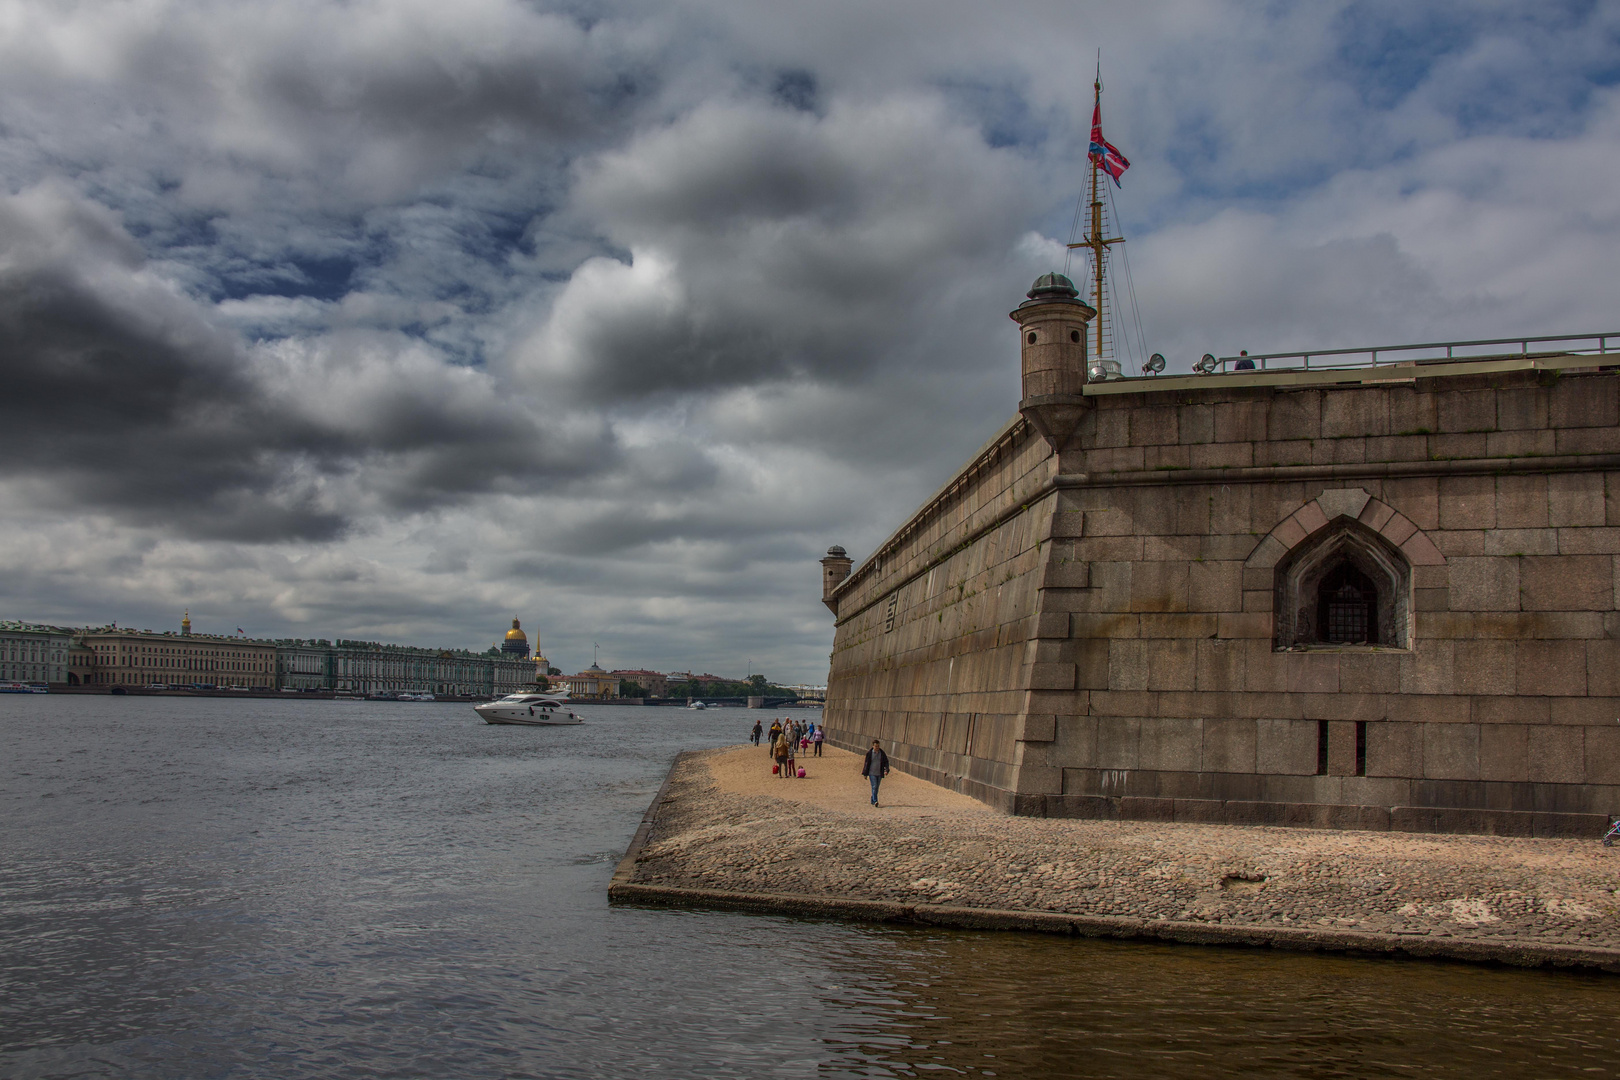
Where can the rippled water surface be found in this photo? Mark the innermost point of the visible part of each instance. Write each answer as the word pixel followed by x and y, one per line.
pixel 204 888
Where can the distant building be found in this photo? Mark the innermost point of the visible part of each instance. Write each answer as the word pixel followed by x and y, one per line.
pixel 30 652
pixel 655 684
pixel 370 667
pixel 304 665
pixel 113 657
pixel 593 682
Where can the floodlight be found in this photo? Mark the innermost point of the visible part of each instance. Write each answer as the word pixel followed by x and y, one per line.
pixel 1154 365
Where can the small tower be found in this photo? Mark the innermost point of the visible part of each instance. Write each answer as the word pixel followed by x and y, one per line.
pixel 185 625
pixel 834 569
pixel 1052 339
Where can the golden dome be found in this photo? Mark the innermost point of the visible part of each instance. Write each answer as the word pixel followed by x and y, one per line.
pixel 516 633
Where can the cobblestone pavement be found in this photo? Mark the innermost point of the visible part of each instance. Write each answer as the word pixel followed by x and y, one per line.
pixel 726 824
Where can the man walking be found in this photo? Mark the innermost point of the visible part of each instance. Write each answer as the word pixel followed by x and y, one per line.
pixel 776 730
pixel 875 768
pixel 757 732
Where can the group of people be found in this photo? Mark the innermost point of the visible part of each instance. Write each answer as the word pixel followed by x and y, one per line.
pixel 787 737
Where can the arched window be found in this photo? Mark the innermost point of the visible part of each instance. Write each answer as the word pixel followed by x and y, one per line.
pixel 1343 585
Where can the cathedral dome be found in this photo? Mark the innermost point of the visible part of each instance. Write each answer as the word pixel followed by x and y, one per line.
pixel 517 642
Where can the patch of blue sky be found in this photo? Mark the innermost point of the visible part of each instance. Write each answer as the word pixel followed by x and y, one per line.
pixel 797 89
pixel 1000 112
pixel 1510 69
pixel 1203 159
pixel 295 277
pixel 1390 49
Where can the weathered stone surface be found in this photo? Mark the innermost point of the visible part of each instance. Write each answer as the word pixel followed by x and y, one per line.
pixel 1484 584
pixel 724 832
pixel 1144 599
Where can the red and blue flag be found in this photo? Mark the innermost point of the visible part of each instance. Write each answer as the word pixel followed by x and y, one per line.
pixel 1102 151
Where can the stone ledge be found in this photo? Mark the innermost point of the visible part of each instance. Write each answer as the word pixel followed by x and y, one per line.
pixel 944 916
pixel 702 820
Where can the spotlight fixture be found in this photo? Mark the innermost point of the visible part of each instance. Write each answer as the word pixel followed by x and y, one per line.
pixel 1154 365
pixel 1205 365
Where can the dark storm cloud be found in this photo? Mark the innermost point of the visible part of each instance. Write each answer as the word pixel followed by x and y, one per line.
pixel 121 390
pixel 115 386
pixel 768 243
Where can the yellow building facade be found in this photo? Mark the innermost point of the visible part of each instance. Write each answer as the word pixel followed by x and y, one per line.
pixel 109 657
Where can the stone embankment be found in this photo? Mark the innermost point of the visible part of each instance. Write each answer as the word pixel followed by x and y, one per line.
pixel 725 832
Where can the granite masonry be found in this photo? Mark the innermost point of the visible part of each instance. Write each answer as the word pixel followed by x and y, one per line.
pixel 1374 598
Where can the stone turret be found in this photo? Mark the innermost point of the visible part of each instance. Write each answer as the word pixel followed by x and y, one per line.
pixel 834 569
pixel 1052 336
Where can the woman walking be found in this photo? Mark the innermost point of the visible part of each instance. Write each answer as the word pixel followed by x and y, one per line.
pixel 780 751
pixel 815 740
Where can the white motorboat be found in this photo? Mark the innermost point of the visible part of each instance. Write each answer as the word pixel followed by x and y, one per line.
pixel 528 708
pixel 696 705
pixel 421 696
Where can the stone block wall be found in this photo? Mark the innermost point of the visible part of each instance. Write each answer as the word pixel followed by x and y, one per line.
pixel 1136 662
pixel 933 650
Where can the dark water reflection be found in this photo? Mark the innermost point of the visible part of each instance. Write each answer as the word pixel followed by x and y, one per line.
pixel 310 889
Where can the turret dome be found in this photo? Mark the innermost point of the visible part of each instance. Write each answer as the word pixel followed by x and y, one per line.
pixel 516 633
pixel 1051 287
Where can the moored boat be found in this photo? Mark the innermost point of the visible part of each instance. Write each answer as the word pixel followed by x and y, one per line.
pixel 530 708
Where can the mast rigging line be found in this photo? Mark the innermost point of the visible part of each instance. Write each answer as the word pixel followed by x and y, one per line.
pixel 1139 356
pixel 1104 291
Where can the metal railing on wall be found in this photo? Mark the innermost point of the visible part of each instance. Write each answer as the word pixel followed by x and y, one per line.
pixel 1429 352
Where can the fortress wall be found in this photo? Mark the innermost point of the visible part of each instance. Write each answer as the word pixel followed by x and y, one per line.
pixel 1097 632
pixel 1502 714
pixel 940 677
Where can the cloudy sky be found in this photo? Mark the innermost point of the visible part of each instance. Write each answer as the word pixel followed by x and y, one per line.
pixel 395 319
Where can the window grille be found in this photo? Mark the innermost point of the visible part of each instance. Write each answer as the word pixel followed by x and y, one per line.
pixel 1347 606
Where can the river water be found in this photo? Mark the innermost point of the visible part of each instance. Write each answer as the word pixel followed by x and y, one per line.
pixel 211 888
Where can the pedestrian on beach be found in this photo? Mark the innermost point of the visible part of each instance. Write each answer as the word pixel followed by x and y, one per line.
pixel 790 736
pixel 756 733
pixel 815 739
pixel 776 731
pixel 779 750
pixel 875 768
